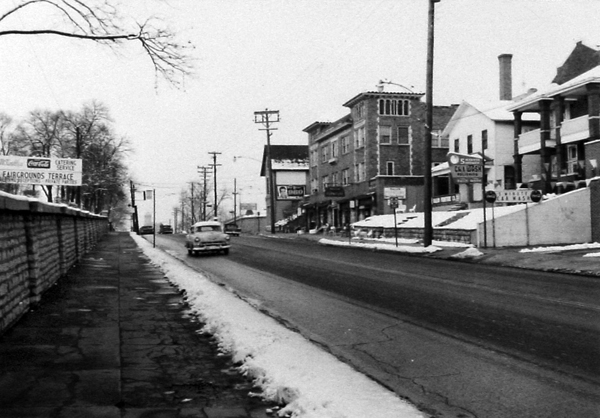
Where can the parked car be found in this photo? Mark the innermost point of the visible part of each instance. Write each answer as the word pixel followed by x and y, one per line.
pixel 146 230
pixel 165 229
pixel 232 229
pixel 207 236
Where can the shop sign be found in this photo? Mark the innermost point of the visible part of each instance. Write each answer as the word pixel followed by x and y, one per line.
pixel 397 192
pixel 44 171
pixel 518 196
pixel 290 192
pixel 465 168
pixel 334 191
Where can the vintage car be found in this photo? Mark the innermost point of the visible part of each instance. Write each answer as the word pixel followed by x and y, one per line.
pixel 146 230
pixel 232 229
pixel 165 229
pixel 207 236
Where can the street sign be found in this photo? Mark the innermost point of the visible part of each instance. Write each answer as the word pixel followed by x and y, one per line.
pixel 465 168
pixel 519 196
pixel 536 196
pixel 490 196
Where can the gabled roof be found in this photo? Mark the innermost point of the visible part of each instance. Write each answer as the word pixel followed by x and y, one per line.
pixel 286 157
pixel 495 111
pixel 582 59
pixel 575 86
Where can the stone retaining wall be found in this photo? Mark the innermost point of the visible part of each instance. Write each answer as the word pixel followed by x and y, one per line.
pixel 39 243
pixel 439 234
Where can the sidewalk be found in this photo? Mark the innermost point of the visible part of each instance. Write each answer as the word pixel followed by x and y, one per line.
pixel 115 339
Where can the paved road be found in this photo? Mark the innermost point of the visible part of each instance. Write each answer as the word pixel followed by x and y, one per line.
pixel 508 322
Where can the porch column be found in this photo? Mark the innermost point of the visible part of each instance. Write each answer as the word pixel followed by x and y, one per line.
pixel 594 109
pixel 558 106
pixel 518 160
pixel 544 152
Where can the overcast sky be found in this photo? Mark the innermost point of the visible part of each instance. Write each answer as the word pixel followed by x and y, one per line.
pixel 304 58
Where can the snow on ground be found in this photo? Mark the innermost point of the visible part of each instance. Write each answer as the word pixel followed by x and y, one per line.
pixel 417 220
pixel 288 368
pixel 556 248
pixel 381 245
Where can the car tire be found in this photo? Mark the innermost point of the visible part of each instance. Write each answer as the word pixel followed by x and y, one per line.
pixel 226 251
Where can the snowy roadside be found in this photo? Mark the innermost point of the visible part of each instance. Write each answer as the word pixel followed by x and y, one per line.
pixel 309 381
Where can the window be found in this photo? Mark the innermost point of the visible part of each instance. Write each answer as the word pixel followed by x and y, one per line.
pixel 360 110
pixel 345 144
pixel 324 182
pixel 394 107
pixel 314 186
pixel 314 158
pixel 335 179
pixel 346 176
pixel 334 149
pixel 360 137
pixel 484 139
pixel 403 136
pixel 572 159
pixel 385 134
pixel 324 154
pixel 389 168
pixel 457 145
pixel 437 141
pixel 359 172
pixel 470 144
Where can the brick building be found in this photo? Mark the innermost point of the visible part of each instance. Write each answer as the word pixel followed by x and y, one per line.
pixel 372 152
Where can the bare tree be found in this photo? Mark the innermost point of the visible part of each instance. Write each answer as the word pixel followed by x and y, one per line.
pixel 100 21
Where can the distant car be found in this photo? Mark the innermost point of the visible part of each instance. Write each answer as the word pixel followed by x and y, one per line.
pixel 146 230
pixel 232 229
pixel 207 236
pixel 165 229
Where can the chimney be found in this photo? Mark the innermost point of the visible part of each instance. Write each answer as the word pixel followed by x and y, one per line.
pixel 505 76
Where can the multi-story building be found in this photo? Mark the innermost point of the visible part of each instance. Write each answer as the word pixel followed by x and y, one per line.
pixel 374 152
pixel 484 130
pixel 290 168
pixel 567 145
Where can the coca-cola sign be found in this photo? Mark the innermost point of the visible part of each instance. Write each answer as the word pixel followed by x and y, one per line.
pixel 38 163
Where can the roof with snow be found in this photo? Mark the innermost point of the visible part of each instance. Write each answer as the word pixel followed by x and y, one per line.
pixel 497 111
pixel 286 158
pixel 573 87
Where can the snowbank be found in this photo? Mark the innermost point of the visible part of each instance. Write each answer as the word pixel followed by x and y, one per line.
pixel 288 368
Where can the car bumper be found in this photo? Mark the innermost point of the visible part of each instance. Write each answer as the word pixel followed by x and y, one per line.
pixel 210 247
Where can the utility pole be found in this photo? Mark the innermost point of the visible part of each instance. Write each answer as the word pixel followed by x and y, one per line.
pixel 427 206
pixel 203 169
pixel 214 166
pixel 266 117
pixel 235 200
pixel 135 212
pixel 192 201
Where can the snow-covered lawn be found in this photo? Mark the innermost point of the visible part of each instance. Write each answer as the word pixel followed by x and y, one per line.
pixel 311 382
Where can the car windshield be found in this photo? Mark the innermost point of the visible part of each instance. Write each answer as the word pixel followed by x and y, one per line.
pixel 208 228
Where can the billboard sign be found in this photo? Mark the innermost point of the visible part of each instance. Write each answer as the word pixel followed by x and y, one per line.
pixel 397 192
pixel 44 171
pixel 290 192
pixel 465 168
